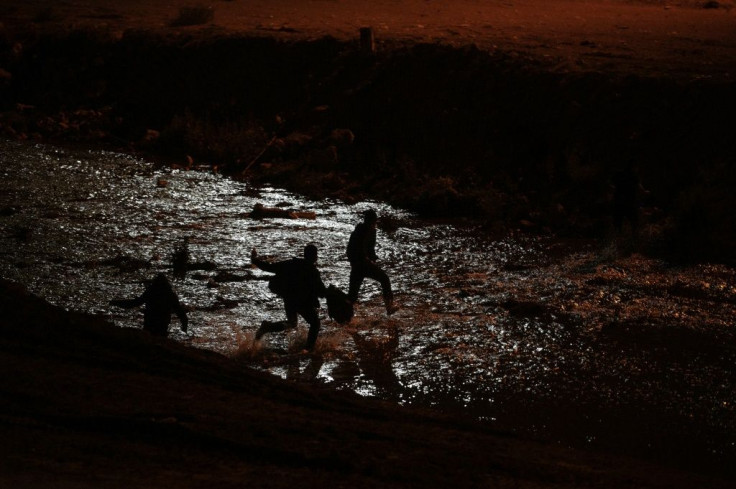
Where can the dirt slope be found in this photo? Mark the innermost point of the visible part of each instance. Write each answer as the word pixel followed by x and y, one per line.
pixel 85 404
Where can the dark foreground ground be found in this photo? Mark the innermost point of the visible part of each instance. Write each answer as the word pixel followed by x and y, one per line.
pixel 86 404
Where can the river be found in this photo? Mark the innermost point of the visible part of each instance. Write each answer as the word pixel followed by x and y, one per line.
pixel 572 342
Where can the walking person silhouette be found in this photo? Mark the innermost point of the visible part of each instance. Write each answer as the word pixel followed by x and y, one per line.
pixel 361 253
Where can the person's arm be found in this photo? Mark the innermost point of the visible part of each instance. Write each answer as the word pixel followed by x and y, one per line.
pixel 262 264
pixel 370 245
pixel 320 285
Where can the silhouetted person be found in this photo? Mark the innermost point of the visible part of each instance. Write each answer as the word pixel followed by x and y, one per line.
pixel 362 256
pixel 626 191
pixel 160 302
pixel 299 283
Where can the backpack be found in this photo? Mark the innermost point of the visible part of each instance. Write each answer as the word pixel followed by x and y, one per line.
pixel 339 306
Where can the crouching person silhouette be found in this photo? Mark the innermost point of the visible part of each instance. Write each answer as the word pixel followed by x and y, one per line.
pixel 299 283
pixel 160 302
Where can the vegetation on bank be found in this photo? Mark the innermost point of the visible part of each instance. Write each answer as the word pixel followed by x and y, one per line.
pixel 444 131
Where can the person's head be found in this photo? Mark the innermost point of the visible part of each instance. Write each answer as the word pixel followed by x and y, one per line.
pixel 160 282
pixel 310 253
pixel 370 217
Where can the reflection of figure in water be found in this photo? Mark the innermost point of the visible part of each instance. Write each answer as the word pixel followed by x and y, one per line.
pixel 626 190
pixel 375 357
pixel 362 256
pixel 312 366
pixel 299 283
pixel 180 259
pixel 160 302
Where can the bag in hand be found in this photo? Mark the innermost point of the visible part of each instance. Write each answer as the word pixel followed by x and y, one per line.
pixel 339 306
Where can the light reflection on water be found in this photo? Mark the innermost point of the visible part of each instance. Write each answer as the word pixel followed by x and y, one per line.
pixel 521 331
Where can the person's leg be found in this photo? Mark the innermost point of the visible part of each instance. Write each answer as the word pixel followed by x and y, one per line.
pixel 276 326
pixel 156 326
pixel 356 280
pixel 374 271
pixel 311 316
pixel 156 319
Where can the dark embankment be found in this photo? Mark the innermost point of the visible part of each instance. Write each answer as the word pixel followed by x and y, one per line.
pixel 86 404
pixel 444 131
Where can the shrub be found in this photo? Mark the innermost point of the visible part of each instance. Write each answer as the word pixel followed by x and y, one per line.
pixel 194 15
pixel 703 225
pixel 227 141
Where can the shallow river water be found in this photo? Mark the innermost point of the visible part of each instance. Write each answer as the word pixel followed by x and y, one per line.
pixel 575 343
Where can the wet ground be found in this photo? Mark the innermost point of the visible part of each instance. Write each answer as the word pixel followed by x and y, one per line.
pixel 573 342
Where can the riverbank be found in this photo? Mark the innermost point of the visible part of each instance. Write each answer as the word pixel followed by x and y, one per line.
pixel 90 405
pixel 447 127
